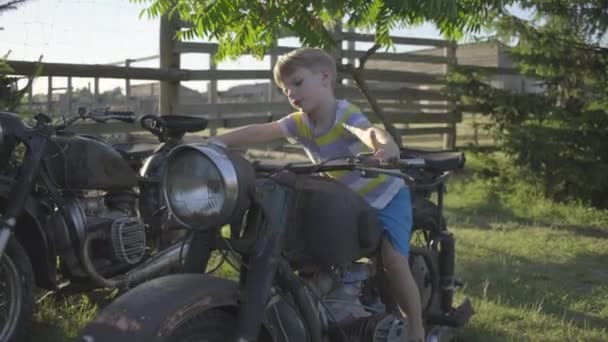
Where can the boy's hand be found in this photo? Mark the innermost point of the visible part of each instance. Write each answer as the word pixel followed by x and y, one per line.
pixel 386 153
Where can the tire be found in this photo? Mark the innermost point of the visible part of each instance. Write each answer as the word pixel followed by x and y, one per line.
pixel 16 292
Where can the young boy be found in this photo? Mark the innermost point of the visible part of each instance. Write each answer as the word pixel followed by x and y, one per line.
pixel 328 128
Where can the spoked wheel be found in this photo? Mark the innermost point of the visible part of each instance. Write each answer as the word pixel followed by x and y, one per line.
pixel 16 292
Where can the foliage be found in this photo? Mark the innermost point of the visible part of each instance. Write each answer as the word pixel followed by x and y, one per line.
pixel 559 133
pixel 253 26
pixel 9 97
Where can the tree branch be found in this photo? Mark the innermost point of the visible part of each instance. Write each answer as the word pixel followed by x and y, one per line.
pixel 362 85
pixel 10 5
pixel 368 53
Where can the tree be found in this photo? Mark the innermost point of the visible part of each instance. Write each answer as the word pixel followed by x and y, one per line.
pixel 9 97
pixel 253 26
pixel 560 135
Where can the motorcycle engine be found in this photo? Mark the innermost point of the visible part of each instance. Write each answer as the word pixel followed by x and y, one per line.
pixel 124 234
pixel 342 312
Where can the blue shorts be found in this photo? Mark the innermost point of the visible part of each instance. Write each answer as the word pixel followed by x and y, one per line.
pixel 396 219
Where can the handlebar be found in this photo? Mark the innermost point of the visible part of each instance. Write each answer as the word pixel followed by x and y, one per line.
pixel 369 168
pixel 101 115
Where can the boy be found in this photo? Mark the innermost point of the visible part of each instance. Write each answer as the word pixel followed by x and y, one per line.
pixel 328 128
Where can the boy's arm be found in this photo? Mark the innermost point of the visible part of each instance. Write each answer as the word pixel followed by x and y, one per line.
pixel 251 134
pixel 377 139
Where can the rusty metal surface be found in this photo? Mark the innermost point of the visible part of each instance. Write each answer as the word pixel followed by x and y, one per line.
pixel 152 310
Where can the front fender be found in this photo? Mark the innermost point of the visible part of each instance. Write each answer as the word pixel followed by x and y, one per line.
pixel 150 311
pixel 30 233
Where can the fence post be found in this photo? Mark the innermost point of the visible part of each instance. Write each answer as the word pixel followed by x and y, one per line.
pixel 69 95
pixel 96 91
pixel 128 81
pixel 212 99
pixel 49 96
pixel 30 96
pixel 272 88
pixel 169 59
pixel 449 138
pixel 350 46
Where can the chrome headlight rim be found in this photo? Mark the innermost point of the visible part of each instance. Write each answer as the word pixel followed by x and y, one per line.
pixel 228 174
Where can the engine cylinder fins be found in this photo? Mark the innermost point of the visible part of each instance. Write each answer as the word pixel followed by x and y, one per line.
pixel 129 239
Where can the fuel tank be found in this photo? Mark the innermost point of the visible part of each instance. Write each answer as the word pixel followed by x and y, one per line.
pixel 86 163
pixel 329 224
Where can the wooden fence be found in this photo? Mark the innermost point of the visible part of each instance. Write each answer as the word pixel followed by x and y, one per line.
pixel 413 100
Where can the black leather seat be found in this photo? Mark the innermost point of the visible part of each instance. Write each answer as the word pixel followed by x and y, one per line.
pixel 180 124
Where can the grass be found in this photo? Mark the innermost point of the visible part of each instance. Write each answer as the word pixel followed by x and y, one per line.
pixel 534 269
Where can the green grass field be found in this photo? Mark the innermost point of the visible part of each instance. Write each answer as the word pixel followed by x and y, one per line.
pixel 534 269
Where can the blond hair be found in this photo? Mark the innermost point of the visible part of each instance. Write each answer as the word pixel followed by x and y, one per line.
pixel 309 58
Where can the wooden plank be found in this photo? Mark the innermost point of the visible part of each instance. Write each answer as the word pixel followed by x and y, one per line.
pixel 422 131
pixel 452 117
pixel 403 93
pixel 111 71
pixel 399 57
pixel 95 71
pixel 235 108
pixel 206 75
pixel 360 37
pixel 401 76
pixel 212 89
pixel 415 107
pixel 201 47
pixel 491 70
pixel 169 60
pixel 449 139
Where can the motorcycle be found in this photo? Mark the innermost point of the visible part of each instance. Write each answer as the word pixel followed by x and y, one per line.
pixel 74 198
pixel 310 268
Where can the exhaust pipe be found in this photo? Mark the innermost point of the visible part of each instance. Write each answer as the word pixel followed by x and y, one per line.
pixel 160 264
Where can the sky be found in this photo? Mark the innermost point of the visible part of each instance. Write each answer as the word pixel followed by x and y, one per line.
pixel 106 31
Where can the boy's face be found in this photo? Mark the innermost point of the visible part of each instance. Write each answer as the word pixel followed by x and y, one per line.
pixel 307 89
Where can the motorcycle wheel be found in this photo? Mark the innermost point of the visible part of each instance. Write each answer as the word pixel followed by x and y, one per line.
pixel 16 292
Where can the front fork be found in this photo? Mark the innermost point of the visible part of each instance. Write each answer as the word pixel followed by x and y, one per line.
pixel 20 190
pixel 264 260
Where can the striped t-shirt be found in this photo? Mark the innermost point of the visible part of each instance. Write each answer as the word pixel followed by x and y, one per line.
pixel 338 141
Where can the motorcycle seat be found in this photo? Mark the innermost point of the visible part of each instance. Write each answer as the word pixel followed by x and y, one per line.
pixel 180 124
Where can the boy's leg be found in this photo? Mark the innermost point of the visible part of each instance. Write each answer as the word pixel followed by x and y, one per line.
pixel 404 288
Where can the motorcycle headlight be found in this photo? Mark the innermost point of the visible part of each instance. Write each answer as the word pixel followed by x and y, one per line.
pixel 203 185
